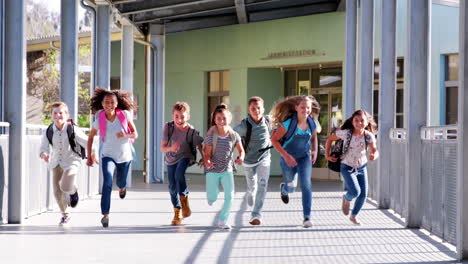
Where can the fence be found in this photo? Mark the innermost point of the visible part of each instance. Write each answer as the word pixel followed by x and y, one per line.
pixel 397 171
pixel 4 132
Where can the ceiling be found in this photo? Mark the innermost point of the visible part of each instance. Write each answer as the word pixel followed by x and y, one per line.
pixel 185 15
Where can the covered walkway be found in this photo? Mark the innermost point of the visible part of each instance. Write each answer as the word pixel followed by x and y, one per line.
pixel 139 232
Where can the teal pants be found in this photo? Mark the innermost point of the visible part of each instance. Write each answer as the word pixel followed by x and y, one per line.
pixel 227 181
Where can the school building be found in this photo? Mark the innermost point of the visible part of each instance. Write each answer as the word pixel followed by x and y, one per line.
pixel 401 60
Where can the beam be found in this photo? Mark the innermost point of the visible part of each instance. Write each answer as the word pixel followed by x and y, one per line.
pixel 200 23
pixel 135 8
pixel 241 12
pixel 292 12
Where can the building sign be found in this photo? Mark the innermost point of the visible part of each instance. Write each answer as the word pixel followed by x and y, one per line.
pixel 293 53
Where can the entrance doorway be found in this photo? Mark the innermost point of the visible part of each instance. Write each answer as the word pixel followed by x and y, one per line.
pixel 325 84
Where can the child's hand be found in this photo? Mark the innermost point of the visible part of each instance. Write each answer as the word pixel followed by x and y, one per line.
pixel 94 158
pixel 290 160
pixel 239 161
pixel 174 147
pixel 45 156
pixel 90 162
pixel 313 157
pixel 374 155
pixel 331 158
pixel 201 163
pixel 209 164
pixel 120 135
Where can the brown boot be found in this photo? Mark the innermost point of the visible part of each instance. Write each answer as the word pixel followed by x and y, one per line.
pixel 186 212
pixel 177 220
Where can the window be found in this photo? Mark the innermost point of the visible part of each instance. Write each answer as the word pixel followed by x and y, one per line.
pixel 398 122
pixel 451 89
pixel 218 91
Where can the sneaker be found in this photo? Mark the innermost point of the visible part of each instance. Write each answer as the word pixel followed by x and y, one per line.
pixel 122 193
pixel 224 225
pixel 307 223
pixel 255 220
pixel 105 221
pixel 354 220
pixel 210 203
pixel 250 199
pixel 64 220
pixel 284 197
pixel 74 198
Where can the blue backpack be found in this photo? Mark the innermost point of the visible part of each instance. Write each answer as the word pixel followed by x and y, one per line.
pixel 293 125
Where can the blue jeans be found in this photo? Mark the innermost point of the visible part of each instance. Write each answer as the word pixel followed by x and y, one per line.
pixel 108 166
pixel 257 184
pixel 177 183
pixel 304 171
pixel 356 185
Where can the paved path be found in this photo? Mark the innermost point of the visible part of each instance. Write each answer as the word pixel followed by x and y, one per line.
pixel 139 232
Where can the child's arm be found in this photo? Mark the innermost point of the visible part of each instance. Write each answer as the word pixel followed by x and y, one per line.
pixel 330 138
pixel 275 141
pixel 374 153
pixel 133 134
pixel 44 150
pixel 314 147
pixel 172 148
pixel 201 161
pixel 240 150
pixel 207 156
pixel 90 161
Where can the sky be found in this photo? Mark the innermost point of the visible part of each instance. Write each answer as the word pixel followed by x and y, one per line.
pixel 54 5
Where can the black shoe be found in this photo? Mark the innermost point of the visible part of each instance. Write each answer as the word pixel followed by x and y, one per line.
pixel 74 198
pixel 105 221
pixel 123 193
pixel 284 197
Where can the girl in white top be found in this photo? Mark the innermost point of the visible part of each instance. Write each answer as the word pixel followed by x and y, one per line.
pixel 357 135
pixel 62 159
pixel 117 132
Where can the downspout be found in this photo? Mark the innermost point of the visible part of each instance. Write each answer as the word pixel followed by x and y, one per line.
pixel 149 130
pixel 93 72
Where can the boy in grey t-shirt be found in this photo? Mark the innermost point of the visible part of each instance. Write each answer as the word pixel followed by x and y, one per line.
pixel 179 143
pixel 255 130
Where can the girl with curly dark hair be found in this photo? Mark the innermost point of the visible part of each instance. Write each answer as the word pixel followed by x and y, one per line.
pixel 117 131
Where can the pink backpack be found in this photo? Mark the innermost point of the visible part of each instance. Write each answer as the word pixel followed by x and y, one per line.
pixel 123 121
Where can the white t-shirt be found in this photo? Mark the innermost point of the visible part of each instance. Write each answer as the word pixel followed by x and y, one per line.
pixel 356 155
pixel 118 149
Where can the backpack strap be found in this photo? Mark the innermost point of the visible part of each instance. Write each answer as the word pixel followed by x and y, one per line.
pixel 170 130
pixel 248 133
pixel 124 122
pixel 268 123
pixel 50 133
pixel 71 140
pixel 291 129
pixel 102 125
pixel 349 136
pixel 312 125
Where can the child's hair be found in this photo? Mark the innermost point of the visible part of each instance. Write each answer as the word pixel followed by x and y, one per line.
pixel 181 106
pixel 124 99
pixel 371 126
pixel 221 108
pixel 286 107
pixel 53 105
pixel 255 99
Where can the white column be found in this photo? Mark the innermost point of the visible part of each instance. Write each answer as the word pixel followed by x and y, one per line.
pixel 69 56
pixel 15 107
pixel 156 166
pixel 416 93
pixel 126 70
pixel 350 61
pixel 367 54
pixel 462 176
pixel 386 90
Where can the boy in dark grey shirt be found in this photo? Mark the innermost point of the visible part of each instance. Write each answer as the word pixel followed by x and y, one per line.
pixel 180 142
pixel 255 130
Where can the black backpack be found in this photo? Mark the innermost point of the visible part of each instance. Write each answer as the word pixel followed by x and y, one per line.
pixel 189 138
pixel 339 149
pixel 248 134
pixel 77 148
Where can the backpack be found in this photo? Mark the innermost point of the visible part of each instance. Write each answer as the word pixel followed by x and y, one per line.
pixel 293 125
pixel 77 148
pixel 248 134
pixel 339 149
pixel 189 139
pixel 213 130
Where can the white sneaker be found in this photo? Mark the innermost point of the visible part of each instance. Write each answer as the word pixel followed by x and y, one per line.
pixel 224 225
pixel 307 223
pixel 255 220
pixel 210 203
pixel 250 199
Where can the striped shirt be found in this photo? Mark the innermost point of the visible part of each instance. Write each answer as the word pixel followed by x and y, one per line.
pixel 221 156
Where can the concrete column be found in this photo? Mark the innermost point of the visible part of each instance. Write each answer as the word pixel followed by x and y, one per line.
pixel 69 56
pixel 126 70
pixel 417 64
pixel 15 108
pixel 350 60
pixel 367 54
pixel 387 90
pixel 462 176
pixel 103 46
pixel 156 115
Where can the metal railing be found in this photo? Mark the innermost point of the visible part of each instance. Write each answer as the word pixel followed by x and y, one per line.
pixel 397 171
pixel 4 154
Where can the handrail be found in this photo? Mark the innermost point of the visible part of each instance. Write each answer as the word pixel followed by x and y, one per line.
pixel 4 124
pixel 439 133
pixel 397 134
